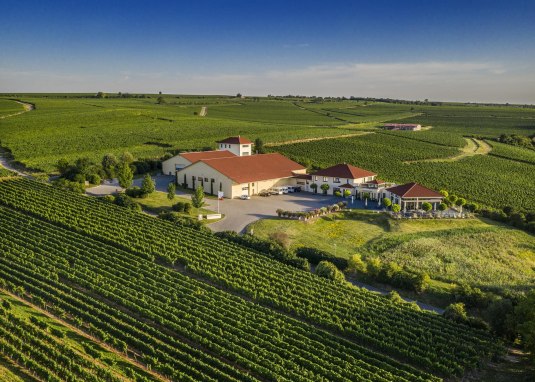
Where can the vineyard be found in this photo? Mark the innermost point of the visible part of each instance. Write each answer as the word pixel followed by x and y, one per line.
pixel 486 179
pixel 193 307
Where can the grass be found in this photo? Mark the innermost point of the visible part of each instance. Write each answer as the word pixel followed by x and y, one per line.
pixel 72 339
pixel 479 252
pixel 157 202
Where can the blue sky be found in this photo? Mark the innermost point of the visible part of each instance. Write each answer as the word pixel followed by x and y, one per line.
pixel 448 50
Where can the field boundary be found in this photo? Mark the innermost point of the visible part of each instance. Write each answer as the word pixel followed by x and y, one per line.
pixel 271 144
pixel 473 147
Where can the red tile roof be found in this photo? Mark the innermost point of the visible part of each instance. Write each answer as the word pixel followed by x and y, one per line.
pixel 347 185
pixel 401 125
pixel 414 190
pixel 196 156
pixel 254 168
pixel 303 176
pixel 345 171
pixel 236 140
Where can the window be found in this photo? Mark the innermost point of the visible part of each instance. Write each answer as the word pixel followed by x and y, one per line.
pixel 252 184
pixel 245 153
pixel 245 146
pixel 206 179
pixel 325 179
pixel 244 188
pixel 316 178
pixel 212 180
pixel 336 180
pixel 199 178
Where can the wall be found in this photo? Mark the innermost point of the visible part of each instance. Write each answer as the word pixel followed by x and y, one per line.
pixel 169 165
pixel 202 170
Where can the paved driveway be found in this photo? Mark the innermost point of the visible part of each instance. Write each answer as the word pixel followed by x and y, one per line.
pixel 240 213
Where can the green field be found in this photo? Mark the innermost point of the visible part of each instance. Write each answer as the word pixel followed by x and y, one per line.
pixel 74 126
pixel 201 308
pixel 8 107
pixel 477 252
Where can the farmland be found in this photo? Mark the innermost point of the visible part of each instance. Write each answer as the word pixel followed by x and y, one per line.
pixel 479 253
pixel 195 307
pixel 74 126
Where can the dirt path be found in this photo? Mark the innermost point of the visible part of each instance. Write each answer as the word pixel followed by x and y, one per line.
pixel 318 138
pixel 473 147
pixel 93 339
pixel 27 107
pixel 5 160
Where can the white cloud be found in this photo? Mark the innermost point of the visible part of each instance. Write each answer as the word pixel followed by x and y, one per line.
pixel 437 80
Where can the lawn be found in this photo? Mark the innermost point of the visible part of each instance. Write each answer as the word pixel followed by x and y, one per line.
pixel 157 202
pixel 481 253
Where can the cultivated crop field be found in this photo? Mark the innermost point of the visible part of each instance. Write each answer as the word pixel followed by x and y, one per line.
pixel 193 307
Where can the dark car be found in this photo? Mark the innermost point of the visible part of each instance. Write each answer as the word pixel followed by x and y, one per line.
pixel 264 193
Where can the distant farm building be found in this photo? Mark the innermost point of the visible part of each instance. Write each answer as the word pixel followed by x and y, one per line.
pixel 402 126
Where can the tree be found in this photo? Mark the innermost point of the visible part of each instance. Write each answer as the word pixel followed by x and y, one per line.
pixel 426 206
pixel 347 193
pixel 329 271
pixel 456 312
pixel 101 95
pixel 197 199
pixel 452 199
pixel 442 207
pixel 444 193
pixel 365 195
pixel 124 175
pixel 259 146
pixel 148 186
pixel 238 95
pixel 171 189
pixel 387 202
pixel 160 100
pixel 460 203
pixel 127 158
pixel 524 316
pixel 356 264
pixel 396 208
pixel 325 187
pixel 63 166
pixel 109 164
pixel 314 187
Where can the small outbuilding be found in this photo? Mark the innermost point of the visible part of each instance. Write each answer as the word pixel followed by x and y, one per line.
pixel 410 196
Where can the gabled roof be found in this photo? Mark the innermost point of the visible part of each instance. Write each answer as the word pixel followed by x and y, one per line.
pixel 236 140
pixel 345 171
pixel 196 156
pixel 414 190
pixel 254 168
pixel 347 185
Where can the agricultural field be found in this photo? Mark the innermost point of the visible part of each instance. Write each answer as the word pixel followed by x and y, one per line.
pixel 520 154
pixel 193 307
pixel 87 127
pixel 50 349
pixel 477 252
pixel 8 107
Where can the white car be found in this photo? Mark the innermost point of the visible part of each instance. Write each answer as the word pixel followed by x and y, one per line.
pixel 245 197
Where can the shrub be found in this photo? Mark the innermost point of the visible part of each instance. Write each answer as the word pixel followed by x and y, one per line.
pixel 456 312
pixel 329 271
pixel 187 207
pixel 356 264
pixel 179 207
pixel 94 179
pixel 135 192
pixel 315 256
pixel 337 193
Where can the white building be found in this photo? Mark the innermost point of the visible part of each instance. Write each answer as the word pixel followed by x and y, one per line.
pixel 340 177
pixel 410 196
pixel 239 146
pixel 232 169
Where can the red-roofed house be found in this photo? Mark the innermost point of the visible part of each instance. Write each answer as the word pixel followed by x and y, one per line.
pixel 340 176
pixel 410 196
pixel 402 126
pixel 178 162
pixel 245 175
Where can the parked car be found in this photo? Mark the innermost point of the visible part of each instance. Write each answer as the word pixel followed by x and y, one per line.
pixel 276 191
pixel 297 188
pixel 245 197
pixel 290 189
pixel 264 193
